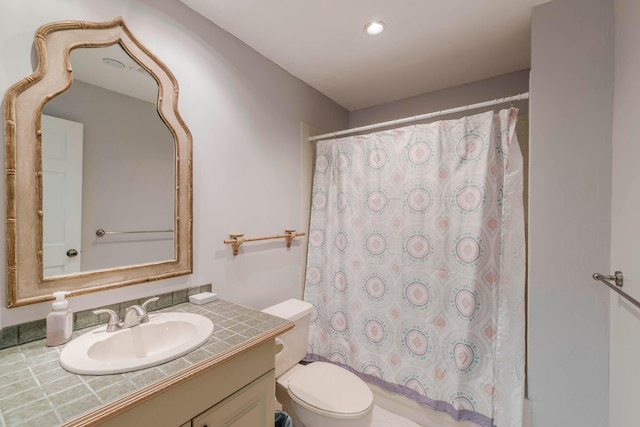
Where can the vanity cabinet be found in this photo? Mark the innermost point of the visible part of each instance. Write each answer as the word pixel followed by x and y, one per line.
pixel 237 388
pixel 250 406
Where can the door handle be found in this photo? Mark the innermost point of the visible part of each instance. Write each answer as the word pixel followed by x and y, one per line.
pixel 71 253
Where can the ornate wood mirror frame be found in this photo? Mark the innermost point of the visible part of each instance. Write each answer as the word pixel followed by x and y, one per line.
pixel 24 102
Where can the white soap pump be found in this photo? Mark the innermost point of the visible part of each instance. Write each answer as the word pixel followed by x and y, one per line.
pixel 59 321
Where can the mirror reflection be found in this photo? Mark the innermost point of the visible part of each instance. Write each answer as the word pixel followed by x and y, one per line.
pixel 108 163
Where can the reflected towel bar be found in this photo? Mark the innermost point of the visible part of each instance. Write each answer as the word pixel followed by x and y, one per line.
pixel 618 278
pixel 237 239
pixel 101 233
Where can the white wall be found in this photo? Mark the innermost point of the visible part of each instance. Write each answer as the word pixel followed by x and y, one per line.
pixel 625 319
pixel 569 215
pixel 244 113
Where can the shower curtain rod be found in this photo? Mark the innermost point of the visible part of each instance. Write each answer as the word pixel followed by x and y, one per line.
pixel 422 116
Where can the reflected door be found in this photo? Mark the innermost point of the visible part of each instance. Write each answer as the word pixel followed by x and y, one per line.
pixel 62 195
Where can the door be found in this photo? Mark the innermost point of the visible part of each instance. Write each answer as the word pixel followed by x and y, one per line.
pixel 62 195
pixel 252 406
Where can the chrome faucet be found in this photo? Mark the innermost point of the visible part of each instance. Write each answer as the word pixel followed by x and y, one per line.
pixel 134 316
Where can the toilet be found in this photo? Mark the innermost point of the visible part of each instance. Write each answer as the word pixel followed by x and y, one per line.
pixel 317 394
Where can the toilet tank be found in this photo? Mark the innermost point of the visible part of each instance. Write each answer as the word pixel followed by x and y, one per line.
pixel 294 341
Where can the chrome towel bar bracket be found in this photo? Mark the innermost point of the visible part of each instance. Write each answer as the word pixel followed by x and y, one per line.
pixel 619 279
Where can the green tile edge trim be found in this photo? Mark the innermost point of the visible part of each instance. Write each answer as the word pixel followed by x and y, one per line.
pixel 11 336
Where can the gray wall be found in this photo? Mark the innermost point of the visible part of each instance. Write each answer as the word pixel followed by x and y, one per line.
pixel 128 175
pixel 569 216
pixel 244 113
pixel 480 91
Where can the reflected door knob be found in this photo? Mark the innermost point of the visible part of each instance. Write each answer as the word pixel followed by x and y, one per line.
pixel 72 252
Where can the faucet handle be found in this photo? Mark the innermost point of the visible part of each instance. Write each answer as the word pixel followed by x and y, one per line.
pixel 114 320
pixel 143 317
pixel 150 300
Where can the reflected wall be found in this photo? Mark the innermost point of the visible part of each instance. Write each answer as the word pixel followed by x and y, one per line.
pixel 128 175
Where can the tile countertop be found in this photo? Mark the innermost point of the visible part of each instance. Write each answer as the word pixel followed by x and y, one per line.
pixel 35 390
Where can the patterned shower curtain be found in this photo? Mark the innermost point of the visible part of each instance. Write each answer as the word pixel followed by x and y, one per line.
pixel 416 263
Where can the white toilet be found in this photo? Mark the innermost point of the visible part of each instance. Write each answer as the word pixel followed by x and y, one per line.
pixel 318 394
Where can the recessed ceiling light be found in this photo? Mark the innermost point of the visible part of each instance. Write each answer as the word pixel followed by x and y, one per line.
pixel 374 28
pixel 113 63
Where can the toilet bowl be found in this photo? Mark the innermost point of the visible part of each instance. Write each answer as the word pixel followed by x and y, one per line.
pixel 327 395
pixel 318 394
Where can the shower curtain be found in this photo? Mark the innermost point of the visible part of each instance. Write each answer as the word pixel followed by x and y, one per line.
pixel 416 263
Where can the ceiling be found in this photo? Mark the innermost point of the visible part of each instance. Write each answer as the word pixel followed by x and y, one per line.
pixel 428 44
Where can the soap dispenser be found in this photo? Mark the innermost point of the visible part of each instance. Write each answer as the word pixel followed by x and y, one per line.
pixel 59 321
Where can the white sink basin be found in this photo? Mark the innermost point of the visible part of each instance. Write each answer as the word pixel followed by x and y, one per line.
pixel 165 337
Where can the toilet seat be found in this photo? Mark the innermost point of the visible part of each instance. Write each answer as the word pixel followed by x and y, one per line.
pixel 331 391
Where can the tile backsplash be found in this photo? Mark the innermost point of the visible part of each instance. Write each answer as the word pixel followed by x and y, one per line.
pixel 37 329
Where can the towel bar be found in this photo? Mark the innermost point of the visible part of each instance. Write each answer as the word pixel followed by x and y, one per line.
pixel 235 240
pixel 101 233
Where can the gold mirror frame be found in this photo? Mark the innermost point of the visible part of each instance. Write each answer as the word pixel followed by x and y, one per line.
pixel 23 165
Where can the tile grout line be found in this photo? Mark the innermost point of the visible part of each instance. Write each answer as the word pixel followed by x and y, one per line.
pixel 45 395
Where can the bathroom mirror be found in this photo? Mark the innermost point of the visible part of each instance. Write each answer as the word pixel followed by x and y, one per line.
pixel 136 212
pixel 89 174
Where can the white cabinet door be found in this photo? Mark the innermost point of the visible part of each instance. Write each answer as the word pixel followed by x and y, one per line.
pixel 251 406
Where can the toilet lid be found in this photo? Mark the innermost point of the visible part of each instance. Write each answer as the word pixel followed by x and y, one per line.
pixel 331 389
